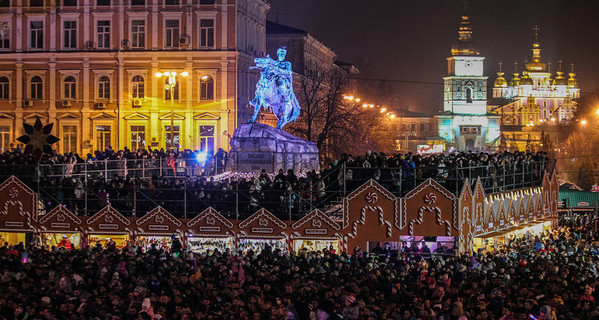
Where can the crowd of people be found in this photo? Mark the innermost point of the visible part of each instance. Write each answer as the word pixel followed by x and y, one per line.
pixel 552 275
pixel 136 182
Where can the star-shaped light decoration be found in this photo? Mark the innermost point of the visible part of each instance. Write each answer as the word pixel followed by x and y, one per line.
pixel 38 139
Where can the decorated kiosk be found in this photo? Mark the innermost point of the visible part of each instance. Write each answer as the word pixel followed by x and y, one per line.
pixel 209 231
pixel 157 227
pixel 314 232
pixel 60 227
pixel 18 211
pixel 430 220
pixel 108 224
pixel 260 230
pixel 369 218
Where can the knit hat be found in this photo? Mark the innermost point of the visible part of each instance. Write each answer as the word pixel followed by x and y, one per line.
pixel 350 298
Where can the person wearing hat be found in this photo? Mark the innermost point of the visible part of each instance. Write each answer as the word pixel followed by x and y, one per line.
pixel 545 313
pixel 64 243
pixel 111 245
pixel 350 309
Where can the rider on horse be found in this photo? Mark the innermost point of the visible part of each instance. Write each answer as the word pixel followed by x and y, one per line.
pixel 275 75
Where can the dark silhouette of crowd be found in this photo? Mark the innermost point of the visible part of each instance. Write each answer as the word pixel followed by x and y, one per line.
pixel 548 276
pixel 135 182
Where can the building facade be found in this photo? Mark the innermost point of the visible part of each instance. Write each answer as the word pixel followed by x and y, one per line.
pixel 465 123
pixel 89 66
pixel 537 96
pixel 532 105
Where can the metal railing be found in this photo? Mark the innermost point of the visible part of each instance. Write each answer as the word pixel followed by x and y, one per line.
pixel 85 188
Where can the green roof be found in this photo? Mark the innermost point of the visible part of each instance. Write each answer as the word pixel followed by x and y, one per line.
pixel 579 199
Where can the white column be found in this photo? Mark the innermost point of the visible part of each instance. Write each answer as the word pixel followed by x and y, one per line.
pixel 188 122
pixel 18 125
pixel 19 85
pixel 120 114
pixel 224 24
pixel 86 23
pixel 53 29
pixel 18 39
pixel 52 85
pixel 154 129
pixel 154 31
pixel 86 85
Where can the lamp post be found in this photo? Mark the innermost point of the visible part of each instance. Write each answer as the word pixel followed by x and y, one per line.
pixel 170 85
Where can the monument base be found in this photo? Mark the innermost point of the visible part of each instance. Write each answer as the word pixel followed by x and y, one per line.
pixel 256 146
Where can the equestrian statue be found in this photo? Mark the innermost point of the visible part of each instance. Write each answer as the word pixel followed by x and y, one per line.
pixel 275 89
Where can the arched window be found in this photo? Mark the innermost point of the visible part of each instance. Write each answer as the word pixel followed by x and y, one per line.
pixel 167 92
pixel 37 88
pixel 137 87
pixel 468 95
pixel 104 87
pixel 206 88
pixel 70 88
pixel 4 88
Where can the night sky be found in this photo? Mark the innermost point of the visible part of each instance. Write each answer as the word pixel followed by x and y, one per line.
pixel 406 42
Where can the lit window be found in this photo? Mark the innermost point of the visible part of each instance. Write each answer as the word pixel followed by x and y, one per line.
pixel 207 33
pixel 104 87
pixel 138 137
pixel 206 88
pixel 36 91
pixel 4 35
pixel 138 34
pixel 104 34
pixel 175 135
pixel 36 35
pixel 69 139
pixel 137 87
pixel 4 88
pixel 172 34
pixel 5 138
pixel 103 137
pixel 70 35
pixel 207 139
pixel 70 88
pixel 167 92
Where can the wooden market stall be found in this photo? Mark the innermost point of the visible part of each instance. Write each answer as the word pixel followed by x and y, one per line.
pixel 210 231
pixel 58 225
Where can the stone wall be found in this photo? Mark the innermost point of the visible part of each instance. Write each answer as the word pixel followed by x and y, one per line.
pixel 256 146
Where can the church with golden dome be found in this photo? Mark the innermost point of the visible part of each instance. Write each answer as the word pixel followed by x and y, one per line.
pixel 530 103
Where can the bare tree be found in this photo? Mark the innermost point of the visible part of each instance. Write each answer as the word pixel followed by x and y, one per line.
pixel 326 118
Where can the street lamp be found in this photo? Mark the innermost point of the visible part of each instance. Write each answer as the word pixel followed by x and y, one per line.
pixel 170 85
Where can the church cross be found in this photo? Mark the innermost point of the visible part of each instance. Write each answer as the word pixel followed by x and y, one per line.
pixel 536 29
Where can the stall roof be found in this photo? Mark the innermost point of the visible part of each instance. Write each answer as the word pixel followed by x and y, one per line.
pixel 579 199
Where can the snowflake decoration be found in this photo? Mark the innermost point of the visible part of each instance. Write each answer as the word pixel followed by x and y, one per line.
pixel 38 139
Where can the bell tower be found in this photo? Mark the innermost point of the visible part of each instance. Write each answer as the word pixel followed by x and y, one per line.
pixel 464 122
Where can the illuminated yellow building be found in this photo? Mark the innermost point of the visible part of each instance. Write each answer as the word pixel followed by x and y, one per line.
pixel 89 67
pixel 534 102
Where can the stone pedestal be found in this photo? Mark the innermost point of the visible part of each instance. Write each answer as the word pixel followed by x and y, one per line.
pixel 256 146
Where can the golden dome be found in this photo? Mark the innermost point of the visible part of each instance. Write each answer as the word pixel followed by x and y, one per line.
pixel 560 80
pixel 572 82
pixel 526 80
pixel 465 46
pixel 515 80
pixel 500 82
pixel 535 63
